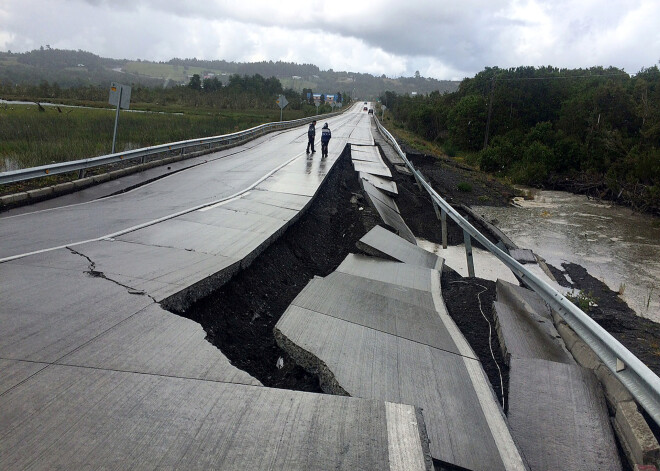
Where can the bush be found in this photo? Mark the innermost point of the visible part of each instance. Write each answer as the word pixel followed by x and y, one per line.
pixel 450 149
pixel 464 187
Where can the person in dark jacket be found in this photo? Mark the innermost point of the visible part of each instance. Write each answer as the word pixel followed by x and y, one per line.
pixel 325 139
pixel 311 133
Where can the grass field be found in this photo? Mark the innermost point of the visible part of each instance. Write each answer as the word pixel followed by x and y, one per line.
pixel 167 71
pixel 29 138
pixel 179 75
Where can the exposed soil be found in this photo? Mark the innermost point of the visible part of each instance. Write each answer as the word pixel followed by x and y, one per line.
pixel 639 335
pixel 469 302
pixel 461 184
pixel 239 317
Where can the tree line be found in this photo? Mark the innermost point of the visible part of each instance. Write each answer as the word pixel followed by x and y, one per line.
pixel 590 130
pixel 240 93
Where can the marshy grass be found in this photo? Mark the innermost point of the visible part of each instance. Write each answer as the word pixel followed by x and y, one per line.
pixel 29 137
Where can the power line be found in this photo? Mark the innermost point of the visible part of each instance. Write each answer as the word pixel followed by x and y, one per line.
pixel 550 77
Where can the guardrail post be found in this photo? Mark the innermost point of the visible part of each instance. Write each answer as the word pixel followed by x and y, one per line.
pixel 468 253
pixel 442 216
pixel 443 220
pixel 81 173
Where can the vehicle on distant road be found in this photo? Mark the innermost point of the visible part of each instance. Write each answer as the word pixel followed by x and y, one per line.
pixel 364 109
pixel 371 111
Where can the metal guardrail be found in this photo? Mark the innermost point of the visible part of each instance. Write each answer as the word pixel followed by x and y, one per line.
pixel 84 164
pixel 641 382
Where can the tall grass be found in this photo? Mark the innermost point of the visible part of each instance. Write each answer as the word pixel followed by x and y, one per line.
pixel 29 137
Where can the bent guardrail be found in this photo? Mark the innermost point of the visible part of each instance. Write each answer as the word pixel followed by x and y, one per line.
pixel 641 382
pixel 84 164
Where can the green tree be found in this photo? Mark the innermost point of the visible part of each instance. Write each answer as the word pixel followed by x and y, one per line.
pixel 195 82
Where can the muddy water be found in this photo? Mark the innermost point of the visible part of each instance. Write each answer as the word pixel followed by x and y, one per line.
pixel 614 244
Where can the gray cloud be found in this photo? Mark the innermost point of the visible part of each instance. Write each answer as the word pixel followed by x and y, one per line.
pixel 444 39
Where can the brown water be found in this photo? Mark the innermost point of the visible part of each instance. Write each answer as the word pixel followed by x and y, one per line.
pixel 615 244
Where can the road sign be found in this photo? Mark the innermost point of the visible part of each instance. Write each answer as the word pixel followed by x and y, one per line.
pixel 120 95
pixel 282 101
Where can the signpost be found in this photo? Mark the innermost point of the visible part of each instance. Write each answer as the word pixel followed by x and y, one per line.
pixel 281 100
pixel 120 96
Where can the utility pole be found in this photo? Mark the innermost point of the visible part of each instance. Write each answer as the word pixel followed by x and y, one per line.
pixel 490 111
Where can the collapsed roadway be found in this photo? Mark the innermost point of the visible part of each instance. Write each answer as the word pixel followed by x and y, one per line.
pixel 335 347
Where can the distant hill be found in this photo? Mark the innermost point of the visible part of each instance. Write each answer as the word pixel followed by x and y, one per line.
pixel 77 68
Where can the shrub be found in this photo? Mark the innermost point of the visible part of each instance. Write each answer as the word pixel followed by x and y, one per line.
pixel 464 187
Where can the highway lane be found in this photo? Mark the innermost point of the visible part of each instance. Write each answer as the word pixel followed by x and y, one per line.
pixel 192 188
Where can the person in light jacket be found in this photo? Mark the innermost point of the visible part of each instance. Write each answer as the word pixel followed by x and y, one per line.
pixel 311 133
pixel 325 139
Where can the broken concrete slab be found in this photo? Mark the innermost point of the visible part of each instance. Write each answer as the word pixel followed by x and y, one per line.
pixel 81 417
pixel 49 312
pixel 396 273
pixel 361 349
pixel 637 439
pixel 363 362
pixel 270 198
pixel 388 211
pixel 379 169
pixel 366 153
pixel 385 146
pixel 407 314
pixel 382 243
pixel 527 335
pixel 558 417
pixel 158 342
pixel 382 184
pixel 523 255
pixel 514 295
pixel 169 270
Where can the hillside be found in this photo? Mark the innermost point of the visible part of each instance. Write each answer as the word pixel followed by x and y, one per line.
pixel 79 68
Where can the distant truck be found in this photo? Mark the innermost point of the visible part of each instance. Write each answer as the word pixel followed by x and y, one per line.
pixel 371 111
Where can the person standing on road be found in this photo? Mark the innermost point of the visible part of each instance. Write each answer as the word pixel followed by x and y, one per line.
pixel 325 139
pixel 311 133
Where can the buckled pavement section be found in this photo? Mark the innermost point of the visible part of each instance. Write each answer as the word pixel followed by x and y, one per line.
pixel 379 329
pixel 95 372
pixel 382 243
pixel 373 175
pixel 74 418
pixel 547 387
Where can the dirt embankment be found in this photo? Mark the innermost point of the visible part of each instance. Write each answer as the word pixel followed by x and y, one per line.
pixel 641 336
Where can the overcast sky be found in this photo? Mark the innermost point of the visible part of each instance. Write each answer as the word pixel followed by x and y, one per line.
pixel 444 39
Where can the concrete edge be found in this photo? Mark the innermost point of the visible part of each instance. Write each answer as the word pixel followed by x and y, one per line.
pixel 369 250
pixel 636 438
pixel 640 446
pixel 310 363
pixel 181 301
pixel 500 335
pixel 407 442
